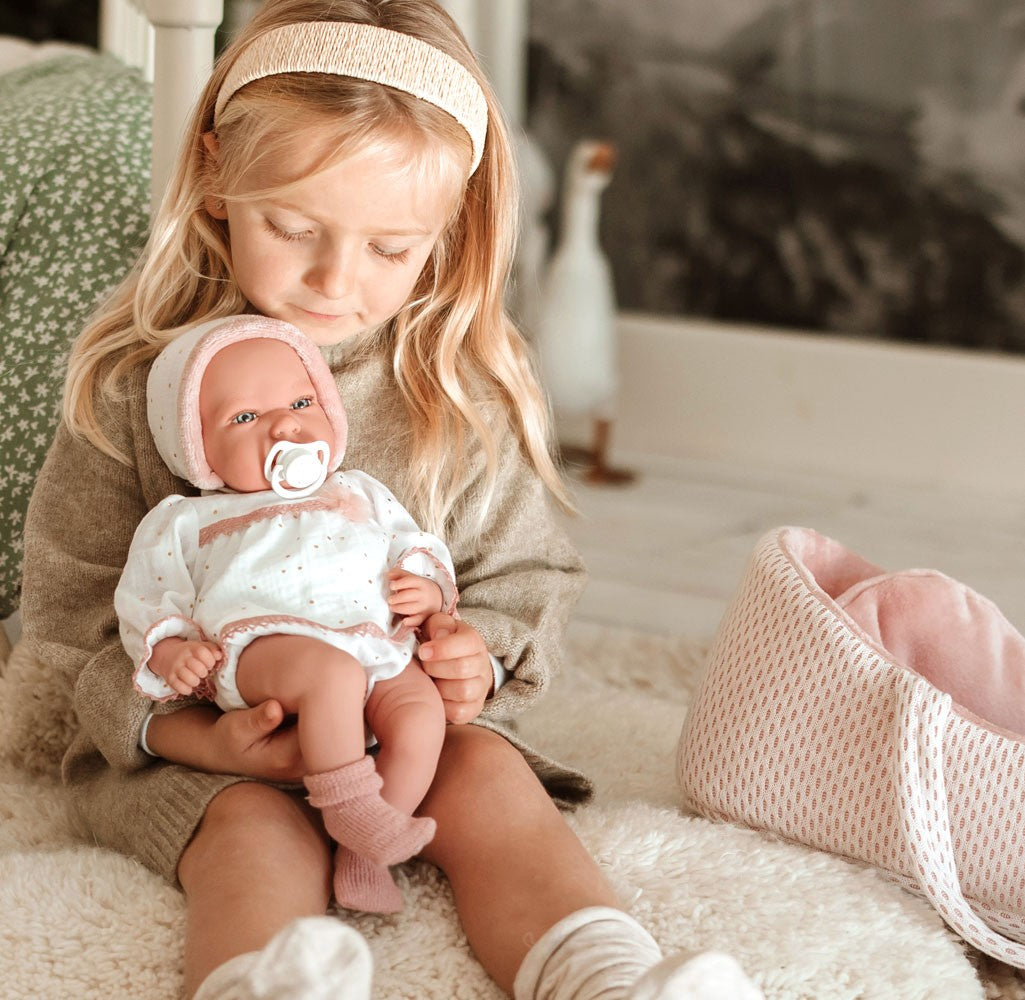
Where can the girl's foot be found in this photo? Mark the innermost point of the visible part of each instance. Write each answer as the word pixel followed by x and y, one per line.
pixel 710 975
pixel 357 817
pixel 600 953
pixel 313 958
pixel 362 885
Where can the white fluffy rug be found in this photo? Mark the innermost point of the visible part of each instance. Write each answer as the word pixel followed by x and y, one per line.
pixel 79 922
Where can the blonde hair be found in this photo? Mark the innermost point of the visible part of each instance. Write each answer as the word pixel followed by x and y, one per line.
pixel 456 352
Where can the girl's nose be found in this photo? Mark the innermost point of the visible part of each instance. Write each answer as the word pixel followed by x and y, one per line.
pixel 333 273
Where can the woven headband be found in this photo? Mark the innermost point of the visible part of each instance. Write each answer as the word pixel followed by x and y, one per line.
pixel 365 52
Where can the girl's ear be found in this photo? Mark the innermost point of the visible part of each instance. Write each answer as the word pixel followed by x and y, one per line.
pixel 215 206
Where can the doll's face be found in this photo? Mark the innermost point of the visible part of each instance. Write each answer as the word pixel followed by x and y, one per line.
pixel 254 394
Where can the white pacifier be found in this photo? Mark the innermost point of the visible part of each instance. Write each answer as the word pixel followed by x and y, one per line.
pixel 295 470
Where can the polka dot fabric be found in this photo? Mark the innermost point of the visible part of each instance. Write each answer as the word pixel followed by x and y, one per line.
pixel 74 195
pixel 802 727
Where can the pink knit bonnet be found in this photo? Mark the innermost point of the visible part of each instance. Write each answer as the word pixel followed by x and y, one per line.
pixel 172 390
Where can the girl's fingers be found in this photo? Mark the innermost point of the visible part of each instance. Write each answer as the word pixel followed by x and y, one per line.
pixel 463 691
pixel 463 700
pixel 458 668
pixel 458 646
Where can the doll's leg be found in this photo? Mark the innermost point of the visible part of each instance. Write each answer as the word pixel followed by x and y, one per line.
pixel 533 901
pixel 408 718
pixel 325 688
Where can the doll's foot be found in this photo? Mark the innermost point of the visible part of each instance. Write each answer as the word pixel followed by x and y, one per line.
pixel 362 885
pixel 357 817
pixel 710 975
pixel 313 958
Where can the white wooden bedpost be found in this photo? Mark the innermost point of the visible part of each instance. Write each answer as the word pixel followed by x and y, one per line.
pixel 497 32
pixel 502 31
pixel 465 14
pixel 183 58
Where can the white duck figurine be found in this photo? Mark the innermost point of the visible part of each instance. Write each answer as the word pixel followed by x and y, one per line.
pixel 576 322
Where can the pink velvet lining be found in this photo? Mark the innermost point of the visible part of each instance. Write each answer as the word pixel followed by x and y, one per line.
pixel 925 621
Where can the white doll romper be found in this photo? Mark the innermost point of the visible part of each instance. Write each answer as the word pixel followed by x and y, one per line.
pixel 231 567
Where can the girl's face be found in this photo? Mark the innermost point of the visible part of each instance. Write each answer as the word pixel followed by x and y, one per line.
pixel 341 251
pixel 254 394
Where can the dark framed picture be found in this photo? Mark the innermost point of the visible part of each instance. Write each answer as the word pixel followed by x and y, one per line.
pixel 851 166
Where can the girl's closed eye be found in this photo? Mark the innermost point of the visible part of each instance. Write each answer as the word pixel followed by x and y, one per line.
pixel 288 235
pixel 395 256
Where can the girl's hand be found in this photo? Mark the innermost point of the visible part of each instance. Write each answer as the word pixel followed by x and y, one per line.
pixel 456 659
pixel 250 742
pixel 255 744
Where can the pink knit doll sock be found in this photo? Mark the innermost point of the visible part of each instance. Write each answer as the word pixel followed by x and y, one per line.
pixel 362 885
pixel 358 818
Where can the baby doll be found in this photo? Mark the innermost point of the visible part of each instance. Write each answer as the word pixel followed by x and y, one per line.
pixel 290 581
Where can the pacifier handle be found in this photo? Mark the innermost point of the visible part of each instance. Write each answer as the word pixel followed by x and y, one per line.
pixel 308 459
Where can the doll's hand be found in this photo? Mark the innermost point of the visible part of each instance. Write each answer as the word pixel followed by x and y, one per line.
pixel 413 597
pixel 184 663
pixel 456 659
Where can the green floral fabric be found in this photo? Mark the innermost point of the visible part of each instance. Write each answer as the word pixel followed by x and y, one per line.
pixel 74 197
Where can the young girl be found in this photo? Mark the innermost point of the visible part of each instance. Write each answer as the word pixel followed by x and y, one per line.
pixel 347 170
pixel 283 583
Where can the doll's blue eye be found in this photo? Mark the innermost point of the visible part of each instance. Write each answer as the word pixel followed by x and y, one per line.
pixel 246 417
pixel 301 404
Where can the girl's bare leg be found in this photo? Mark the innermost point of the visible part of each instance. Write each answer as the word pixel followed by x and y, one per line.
pixel 515 866
pixel 258 860
pixel 407 717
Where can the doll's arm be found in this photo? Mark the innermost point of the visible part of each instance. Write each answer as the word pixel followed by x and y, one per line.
pixel 183 664
pixel 155 599
pixel 414 598
pixel 410 550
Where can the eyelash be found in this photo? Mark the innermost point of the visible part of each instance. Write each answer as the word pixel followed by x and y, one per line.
pixel 395 257
pixel 284 234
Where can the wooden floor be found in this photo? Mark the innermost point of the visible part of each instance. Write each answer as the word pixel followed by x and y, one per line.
pixel 666 552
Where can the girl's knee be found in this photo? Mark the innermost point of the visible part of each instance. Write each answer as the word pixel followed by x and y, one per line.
pixel 486 800
pixel 478 765
pixel 253 824
pixel 481 751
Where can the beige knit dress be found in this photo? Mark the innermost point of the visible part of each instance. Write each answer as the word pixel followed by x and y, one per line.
pixel 518 581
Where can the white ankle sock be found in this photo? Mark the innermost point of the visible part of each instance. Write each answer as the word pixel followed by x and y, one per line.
pixel 592 953
pixel 600 953
pixel 313 958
